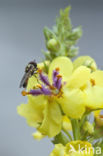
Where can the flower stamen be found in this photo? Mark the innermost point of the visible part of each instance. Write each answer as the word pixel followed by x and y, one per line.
pixel 24 93
pixel 45 88
pixel 57 69
pixel 59 76
pixel 39 86
pixel 93 82
pixel 39 70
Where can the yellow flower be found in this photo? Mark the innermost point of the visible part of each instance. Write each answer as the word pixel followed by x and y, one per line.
pixel 42 114
pixel 97 76
pixel 72 103
pixel 43 111
pixel 73 148
pixel 81 87
pixel 72 100
pixel 83 90
pixel 94 93
pixel 93 97
pixel 75 90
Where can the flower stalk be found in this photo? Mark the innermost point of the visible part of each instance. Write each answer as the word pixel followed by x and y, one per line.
pixel 76 129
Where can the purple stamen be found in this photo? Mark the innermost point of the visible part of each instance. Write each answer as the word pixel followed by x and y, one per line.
pixel 35 92
pixel 48 89
pixel 45 91
pixel 44 79
pixel 59 83
pixel 55 73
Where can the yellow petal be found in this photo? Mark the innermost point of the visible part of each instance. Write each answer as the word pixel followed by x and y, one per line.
pixel 79 77
pixel 38 136
pixel 32 82
pixel 66 123
pixel 52 122
pixel 65 66
pixel 85 60
pixel 72 103
pixel 58 150
pixel 97 76
pixel 94 97
pixel 33 111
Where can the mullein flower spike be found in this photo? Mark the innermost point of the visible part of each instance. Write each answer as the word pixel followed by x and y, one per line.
pixel 62 94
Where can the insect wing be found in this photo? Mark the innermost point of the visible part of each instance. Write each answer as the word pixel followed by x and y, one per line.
pixel 24 79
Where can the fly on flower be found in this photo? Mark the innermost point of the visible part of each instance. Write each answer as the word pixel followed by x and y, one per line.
pixel 44 87
pixel 30 70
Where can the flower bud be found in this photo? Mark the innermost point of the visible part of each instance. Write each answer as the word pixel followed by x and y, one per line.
pixel 53 45
pixel 38 136
pixel 88 127
pixel 76 33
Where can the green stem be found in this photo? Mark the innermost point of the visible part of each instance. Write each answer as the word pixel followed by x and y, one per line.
pixel 83 120
pixel 76 129
pixel 68 134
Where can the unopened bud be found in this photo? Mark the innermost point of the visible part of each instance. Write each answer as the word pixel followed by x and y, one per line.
pixel 53 45
pixel 38 136
pixel 76 33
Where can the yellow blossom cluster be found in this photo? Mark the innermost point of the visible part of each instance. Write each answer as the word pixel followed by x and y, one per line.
pixel 82 91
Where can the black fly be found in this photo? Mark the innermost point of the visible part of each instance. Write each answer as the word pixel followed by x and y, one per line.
pixel 30 70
